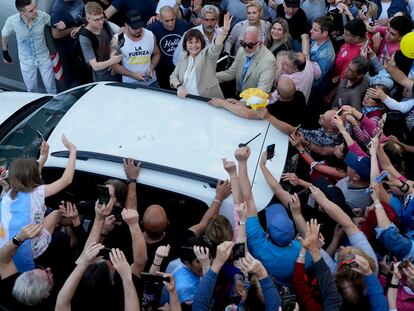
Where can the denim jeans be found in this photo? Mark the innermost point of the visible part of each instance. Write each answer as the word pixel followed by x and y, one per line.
pixel 398 245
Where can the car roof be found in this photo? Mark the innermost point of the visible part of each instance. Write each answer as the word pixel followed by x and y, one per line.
pixel 162 129
pixel 10 102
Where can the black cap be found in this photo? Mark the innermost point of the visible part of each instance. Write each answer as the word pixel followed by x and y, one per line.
pixel 292 3
pixel 134 19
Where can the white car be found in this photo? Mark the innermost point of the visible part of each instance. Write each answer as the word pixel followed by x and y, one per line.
pixel 180 142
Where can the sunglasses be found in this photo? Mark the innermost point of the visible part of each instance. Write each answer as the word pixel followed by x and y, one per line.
pixel 249 45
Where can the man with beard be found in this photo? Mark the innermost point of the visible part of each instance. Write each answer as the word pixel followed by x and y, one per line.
pixel 208 28
pixel 168 31
pixel 254 65
pixel 296 18
pixel 139 50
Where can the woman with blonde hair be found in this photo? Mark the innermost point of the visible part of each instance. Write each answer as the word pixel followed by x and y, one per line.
pixel 279 36
pixel 254 12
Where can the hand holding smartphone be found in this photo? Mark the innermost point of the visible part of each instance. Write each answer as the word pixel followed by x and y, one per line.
pixel 270 151
pixel 103 194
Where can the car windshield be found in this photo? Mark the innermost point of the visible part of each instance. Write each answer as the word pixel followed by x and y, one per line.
pixel 23 140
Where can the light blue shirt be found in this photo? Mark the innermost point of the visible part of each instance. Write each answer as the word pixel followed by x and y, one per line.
pixel 31 40
pixel 324 55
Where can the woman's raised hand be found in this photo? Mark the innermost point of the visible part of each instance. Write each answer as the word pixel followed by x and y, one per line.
pixel 227 23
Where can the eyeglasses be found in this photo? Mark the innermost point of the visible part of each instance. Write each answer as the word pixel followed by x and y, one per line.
pixel 249 45
pixel 47 271
pixel 99 19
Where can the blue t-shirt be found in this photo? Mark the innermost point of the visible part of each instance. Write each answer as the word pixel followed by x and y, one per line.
pixel 168 40
pixel 145 7
pixel 278 261
pixel 68 12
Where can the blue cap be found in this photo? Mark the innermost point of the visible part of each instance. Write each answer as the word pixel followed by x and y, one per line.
pixel 360 164
pixel 279 225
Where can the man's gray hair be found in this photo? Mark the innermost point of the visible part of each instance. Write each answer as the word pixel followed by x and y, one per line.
pixel 208 8
pixel 166 9
pixel 30 288
pixel 254 29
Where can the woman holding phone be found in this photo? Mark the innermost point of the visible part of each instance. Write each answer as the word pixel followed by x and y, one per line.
pixel 195 72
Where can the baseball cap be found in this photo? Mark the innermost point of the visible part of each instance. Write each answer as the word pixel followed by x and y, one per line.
pixel 361 164
pixel 279 225
pixel 292 3
pixel 134 19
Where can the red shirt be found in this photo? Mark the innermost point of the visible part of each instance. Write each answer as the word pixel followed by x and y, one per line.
pixel 345 54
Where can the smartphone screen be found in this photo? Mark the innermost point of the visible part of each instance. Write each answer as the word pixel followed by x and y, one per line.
pixel 238 251
pixel 103 194
pixel 270 151
pixel 153 278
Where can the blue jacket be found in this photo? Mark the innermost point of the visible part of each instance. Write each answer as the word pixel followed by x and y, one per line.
pixel 375 293
pixel 396 6
pixel 324 56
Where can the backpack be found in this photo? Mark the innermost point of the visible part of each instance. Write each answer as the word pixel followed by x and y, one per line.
pixel 83 70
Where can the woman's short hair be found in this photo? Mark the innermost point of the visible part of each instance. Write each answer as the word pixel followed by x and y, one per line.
pixel 24 176
pixel 208 8
pixel 30 288
pixel 217 231
pixel 193 34
pixel 255 4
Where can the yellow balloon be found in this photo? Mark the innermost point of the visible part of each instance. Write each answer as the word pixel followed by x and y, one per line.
pixel 407 45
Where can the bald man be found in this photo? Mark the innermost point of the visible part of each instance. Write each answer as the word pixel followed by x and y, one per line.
pixel 286 103
pixel 156 233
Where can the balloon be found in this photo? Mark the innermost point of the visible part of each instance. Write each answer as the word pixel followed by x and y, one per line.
pixel 407 45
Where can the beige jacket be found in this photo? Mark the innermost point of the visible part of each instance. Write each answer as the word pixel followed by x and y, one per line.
pixel 205 64
pixel 260 74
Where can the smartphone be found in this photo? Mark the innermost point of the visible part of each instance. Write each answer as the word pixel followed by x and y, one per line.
pixel 147 77
pixel 40 135
pixel 297 129
pixel 404 263
pixel 339 112
pixel 238 251
pixel 103 194
pixel 104 252
pixel 153 278
pixel 270 151
pixel 364 9
pixel 288 302
pixel 340 102
pixel 382 177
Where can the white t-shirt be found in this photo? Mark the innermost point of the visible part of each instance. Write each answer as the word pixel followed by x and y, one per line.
pixel 385 6
pixel 190 77
pixel 136 55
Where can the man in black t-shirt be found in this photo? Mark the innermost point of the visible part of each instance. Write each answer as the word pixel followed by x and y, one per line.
pixel 168 31
pixel 156 233
pixel 290 104
pixel 296 18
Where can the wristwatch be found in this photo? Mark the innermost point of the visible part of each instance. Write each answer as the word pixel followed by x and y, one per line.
pixel 131 180
pixel 16 241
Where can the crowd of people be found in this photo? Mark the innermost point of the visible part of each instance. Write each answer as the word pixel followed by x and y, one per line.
pixel 339 231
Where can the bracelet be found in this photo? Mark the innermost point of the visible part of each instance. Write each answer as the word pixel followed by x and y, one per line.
pixel 301 255
pixel 242 223
pixel 378 205
pixel 154 264
pixel 302 152
pixel 178 85
pixel 16 241
pixel 217 201
pixel 404 187
pixel 131 181
pixel 392 285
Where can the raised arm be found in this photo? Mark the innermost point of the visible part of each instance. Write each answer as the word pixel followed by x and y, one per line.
pixel 67 176
pixel 219 40
pixel 44 153
pixel 334 211
pixel 121 265
pixel 101 211
pixel 88 257
pixel 7 252
pixel 223 190
pixel 277 189
pixel 241 155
